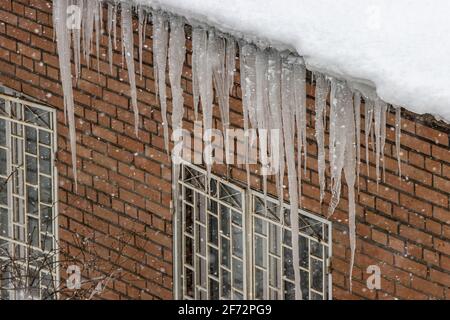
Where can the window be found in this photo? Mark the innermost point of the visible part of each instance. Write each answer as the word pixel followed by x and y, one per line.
pixel 28 227
pixel 228 246
pixel 212 245
pixel 273 273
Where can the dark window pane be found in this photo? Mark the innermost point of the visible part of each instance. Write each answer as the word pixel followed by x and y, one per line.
pixel 30 140
pixel 189 247
pixel 259 284
pixel 213 289
pixel 31 170
pixel 237 242
pixel 2 132
pixel 189 285
pixel 189 222
pixel 317 274
pixel 32 200
pixel 226 284
pixel 238 274
pixel 4 222
pixel 3 163
pixel 225 256
pixel 303 251
pixel 213 229
pixel 45 137
pixel 289 291
pixel 225 220
pixel 33 231
pixel 46 190
pixel 46 219
pixel 45 160
pixel 213 261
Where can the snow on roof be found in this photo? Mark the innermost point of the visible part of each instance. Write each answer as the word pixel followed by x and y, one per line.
pixel 401 48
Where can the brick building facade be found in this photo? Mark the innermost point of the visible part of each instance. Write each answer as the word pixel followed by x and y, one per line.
pixel 124 183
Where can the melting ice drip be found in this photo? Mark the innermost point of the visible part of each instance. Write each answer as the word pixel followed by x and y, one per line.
pixel 273 96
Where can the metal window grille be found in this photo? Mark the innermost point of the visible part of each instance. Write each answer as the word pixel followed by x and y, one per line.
pixel 28 226
pixel 212 246
pixel 228 246
pixel 273 273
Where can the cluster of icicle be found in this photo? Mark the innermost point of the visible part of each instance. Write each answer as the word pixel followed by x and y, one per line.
pixel 273 88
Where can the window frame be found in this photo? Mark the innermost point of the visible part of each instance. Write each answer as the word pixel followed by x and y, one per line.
pixel 248 228
pixel 10 96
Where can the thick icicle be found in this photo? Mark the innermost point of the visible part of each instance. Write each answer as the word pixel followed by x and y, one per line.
pixel 300 118
pixel 160 43
pixel 288 113
pixel 127 43
pixel 398 133
pixel 338 98
pixel 230 62
pixel 274 82
pixel 88 28
pixel 368 118
pixel 199 38
pixel 349 171
pixel 217 59
pixel 63 44
pixel 343 156
pixel 206 87
pixel 320 106
pixel 248 87
pixel 177 52
pixel 230 57
pixel 357 105
pixel 262 112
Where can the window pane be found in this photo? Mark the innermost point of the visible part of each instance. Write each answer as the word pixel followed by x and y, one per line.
pixel 3 163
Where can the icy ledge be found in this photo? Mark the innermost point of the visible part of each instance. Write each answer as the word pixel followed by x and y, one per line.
pixel 401 47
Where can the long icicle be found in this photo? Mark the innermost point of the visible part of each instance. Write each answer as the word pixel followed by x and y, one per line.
pixel 198 37
pixel 248 87
pixel 349 171
pixel 261 115
pixel 357 106
pixel 288 114
pixel 300 118
pixel 274 82
pixel 128 47
pixel 337 140
pixel 63 45
pixel 177 52
pixel 320 105
pixel 160 43
pixel 398 133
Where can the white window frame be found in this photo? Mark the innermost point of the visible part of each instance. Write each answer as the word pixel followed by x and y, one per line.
pixel 248 227
pixel 11 97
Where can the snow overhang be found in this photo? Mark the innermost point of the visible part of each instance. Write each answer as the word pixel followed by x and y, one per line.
pixel 398 49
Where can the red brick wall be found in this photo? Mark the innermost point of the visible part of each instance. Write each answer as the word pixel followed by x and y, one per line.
pixel 124 182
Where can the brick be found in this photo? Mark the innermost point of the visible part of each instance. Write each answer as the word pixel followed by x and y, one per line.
pixel 416 235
